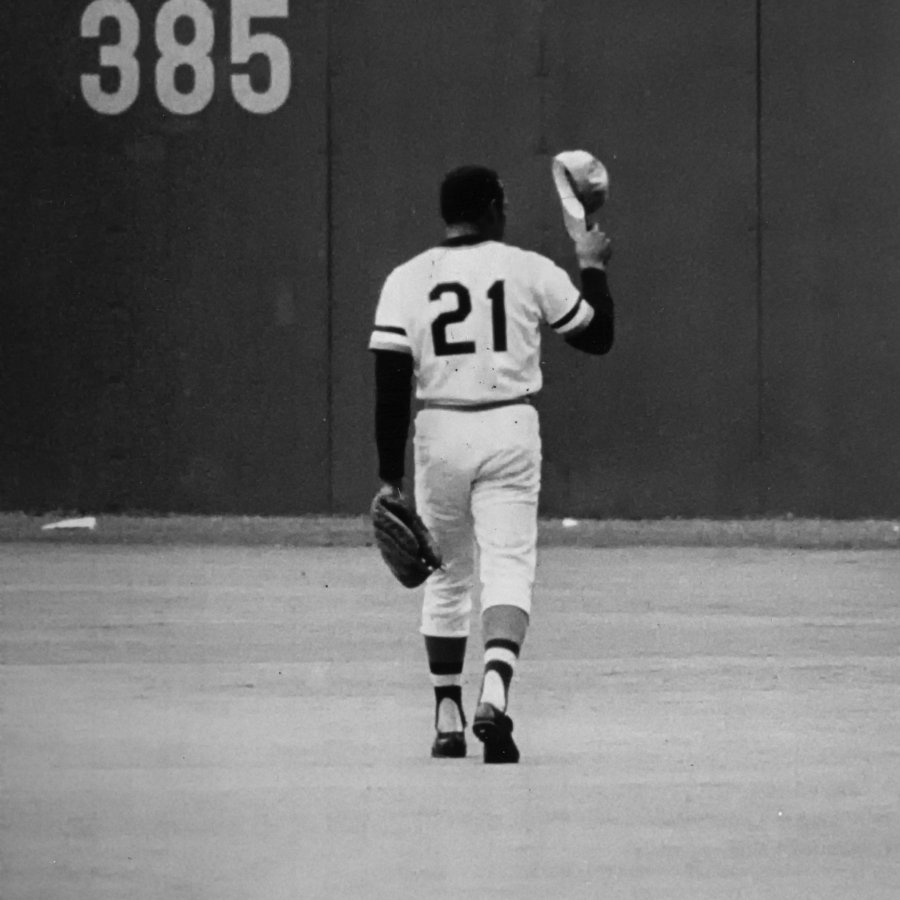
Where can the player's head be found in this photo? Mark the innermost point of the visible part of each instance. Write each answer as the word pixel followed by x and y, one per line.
pixel 473 195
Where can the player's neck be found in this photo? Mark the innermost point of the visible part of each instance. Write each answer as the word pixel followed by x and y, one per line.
pixel 469 230
pixel 463 229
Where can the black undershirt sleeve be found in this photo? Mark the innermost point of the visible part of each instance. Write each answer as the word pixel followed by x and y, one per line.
pixel 393 395
pixel 597 338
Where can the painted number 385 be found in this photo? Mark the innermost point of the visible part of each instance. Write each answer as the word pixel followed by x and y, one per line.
pixel 186 55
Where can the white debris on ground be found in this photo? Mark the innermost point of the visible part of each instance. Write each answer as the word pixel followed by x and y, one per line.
pixel 87 522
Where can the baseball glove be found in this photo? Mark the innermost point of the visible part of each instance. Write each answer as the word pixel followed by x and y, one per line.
pixel 405 543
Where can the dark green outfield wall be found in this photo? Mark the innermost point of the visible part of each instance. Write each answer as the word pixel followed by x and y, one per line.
pixel 187 296
pixel 831 257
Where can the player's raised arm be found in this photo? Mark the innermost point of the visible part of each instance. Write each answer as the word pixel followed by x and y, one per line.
pixel 582 183
pixel 593 249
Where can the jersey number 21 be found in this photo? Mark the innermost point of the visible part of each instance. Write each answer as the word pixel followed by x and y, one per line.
pixel 445 347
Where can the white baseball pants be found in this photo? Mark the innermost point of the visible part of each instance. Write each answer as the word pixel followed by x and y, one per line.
pixel 478 476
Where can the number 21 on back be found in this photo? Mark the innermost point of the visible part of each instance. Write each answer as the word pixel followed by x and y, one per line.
pixel 193 93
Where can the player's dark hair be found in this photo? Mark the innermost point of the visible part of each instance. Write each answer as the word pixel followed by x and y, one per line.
pixel 468 192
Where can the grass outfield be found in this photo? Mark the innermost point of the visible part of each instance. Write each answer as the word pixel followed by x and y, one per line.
pixel 352 531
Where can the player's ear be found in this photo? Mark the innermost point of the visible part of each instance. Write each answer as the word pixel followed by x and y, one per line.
pixel 497 214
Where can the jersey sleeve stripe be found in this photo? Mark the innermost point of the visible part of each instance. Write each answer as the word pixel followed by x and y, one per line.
pixel 391 329
pixel 390 339
pixel 572 318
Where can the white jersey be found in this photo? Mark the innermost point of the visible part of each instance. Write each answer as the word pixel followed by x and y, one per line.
pixel 470 315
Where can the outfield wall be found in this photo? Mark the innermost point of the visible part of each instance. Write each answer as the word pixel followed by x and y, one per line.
pixel 192 254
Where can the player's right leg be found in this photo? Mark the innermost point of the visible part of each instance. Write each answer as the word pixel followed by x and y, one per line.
pixel 503 628
pixel 442 500
pixel 504 504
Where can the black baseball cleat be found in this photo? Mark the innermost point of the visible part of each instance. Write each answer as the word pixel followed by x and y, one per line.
pixel 449 745
pixel 494 729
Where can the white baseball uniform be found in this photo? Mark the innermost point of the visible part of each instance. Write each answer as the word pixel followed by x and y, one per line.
pixel 470 315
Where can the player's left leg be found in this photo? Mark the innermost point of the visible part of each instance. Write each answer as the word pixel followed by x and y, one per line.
pixel 442 498
pixel 446 657
pixel 446 611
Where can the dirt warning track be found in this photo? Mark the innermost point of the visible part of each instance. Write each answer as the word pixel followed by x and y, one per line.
pixel 234 723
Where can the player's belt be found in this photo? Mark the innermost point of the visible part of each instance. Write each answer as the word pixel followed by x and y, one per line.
pixel 476 407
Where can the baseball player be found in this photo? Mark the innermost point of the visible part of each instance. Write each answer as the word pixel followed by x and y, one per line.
pixel 463 321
